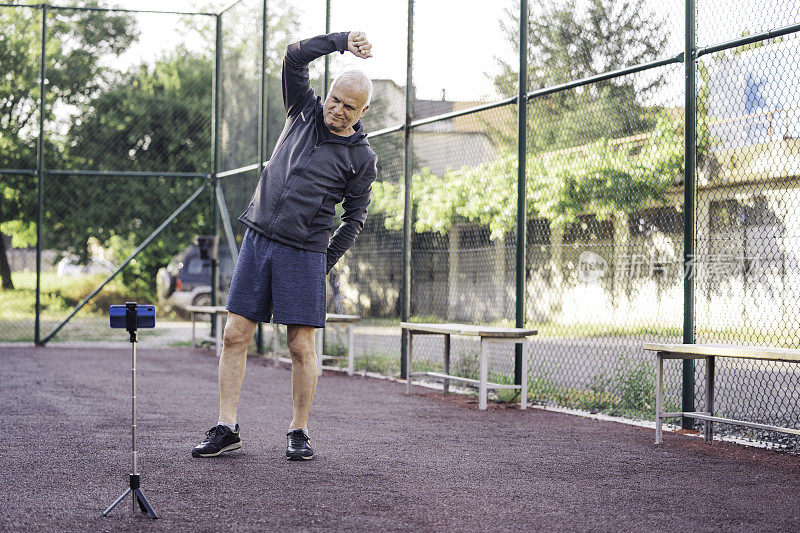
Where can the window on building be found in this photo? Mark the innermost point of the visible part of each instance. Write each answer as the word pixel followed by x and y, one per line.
pixel 588 229
pixel 667 220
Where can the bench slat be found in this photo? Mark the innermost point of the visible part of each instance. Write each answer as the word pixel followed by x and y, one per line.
pixel 469 330
pixel 341 319
pixel 754 425
pixel 206 309
pixel 489 384
pixel 330 318
pixel 729 350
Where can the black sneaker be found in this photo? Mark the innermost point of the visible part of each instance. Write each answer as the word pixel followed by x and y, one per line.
pixel 218 439
pixel 297 448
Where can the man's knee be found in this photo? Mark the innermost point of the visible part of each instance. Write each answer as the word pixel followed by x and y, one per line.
pixel 301 346
pixel 237 332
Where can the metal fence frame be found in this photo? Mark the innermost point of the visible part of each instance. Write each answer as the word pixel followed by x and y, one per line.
pixel 688 57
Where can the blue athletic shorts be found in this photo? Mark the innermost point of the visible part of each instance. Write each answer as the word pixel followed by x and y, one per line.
pixel 275 281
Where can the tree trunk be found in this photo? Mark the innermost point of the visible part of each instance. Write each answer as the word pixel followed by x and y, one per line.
pixel 5 268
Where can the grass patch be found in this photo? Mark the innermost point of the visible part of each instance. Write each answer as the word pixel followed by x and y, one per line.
pixel 543 391
pixel 179 344
pixel 335 349
pixel 59 296
pixel 630 391
pixel 379 362
pixel 554 329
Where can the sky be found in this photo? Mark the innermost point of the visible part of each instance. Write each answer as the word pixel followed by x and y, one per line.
pixel 442 52
pixel 457 43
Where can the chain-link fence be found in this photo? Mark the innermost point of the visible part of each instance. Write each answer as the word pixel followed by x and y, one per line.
pixel 747 209
pixel 131 132
pixel 116 143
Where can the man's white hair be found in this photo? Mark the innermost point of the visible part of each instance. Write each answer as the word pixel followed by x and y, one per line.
pixel 357 80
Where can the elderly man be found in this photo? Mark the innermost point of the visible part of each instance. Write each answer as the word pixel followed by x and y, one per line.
pixel 321 158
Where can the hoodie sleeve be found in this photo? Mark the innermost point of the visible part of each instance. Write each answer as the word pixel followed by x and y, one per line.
pixel 296 82
pixel 356 201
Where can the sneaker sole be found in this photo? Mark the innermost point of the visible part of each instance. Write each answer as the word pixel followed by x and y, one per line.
pixel 298 457
pixel 229 448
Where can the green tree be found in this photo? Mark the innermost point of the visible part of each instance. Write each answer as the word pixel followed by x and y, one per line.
pixel 155 117
pixel 597 174
pixel 604 177
pixel 76 41
pixel 573 40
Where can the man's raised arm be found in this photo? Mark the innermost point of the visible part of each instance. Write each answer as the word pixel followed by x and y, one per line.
pixel 296 82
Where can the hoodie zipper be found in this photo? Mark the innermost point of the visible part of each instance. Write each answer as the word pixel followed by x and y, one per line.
pixel 285 192
pixel 317 144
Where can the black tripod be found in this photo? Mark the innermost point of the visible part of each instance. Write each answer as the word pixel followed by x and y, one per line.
pixel 131 320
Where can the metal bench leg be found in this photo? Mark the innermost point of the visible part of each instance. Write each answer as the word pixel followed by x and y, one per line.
pixel 275 345
pixel 484 375
pixel 709 425
pixel 409 362
pixel 447 363
pixel 523 392
pixel 218 321
pixel 659 394
pixel 319 348
pixel 351 348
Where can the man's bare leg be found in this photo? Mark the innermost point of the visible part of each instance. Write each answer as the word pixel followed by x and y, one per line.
pixel 238 334
pixel 304 373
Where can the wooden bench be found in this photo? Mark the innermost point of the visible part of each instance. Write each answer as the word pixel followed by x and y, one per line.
pixel 710 352
pixel 348 321
pixel 487 335
pixel 219 312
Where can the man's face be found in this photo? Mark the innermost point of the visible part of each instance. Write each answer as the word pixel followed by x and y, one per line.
pixel 343 107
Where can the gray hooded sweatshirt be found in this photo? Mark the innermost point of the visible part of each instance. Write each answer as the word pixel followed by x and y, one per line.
pixel 311 169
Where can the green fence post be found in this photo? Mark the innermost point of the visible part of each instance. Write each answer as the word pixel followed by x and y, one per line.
pixel 325 84
pixel 37 333
pixel 262 122
pixel 406 290
pixel 327 75
pixel 689 196
pixel 522 141
pixel 216 91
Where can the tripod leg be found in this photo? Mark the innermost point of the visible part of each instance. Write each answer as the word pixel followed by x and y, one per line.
pixel 144 505
pixel 111 507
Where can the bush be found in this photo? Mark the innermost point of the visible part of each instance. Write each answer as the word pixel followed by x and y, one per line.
pixel 466 366
pixel 595 398
pixel 636 383
pixel 629 392
pixel 76 288
pixel 379 362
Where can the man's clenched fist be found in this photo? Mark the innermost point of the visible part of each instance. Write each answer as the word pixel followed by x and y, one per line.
pixel 358 44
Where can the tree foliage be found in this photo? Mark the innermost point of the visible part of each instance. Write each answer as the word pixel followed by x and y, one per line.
pixel 76 40
pixel 155 117
pixel 601 177
pixel 598 149
pixel 571 40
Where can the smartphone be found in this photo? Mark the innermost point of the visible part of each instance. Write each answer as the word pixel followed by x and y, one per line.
pixel 145 315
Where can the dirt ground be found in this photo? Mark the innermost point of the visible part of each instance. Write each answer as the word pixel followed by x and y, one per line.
pixel 384 461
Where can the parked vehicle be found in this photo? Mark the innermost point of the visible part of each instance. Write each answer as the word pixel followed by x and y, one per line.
pixel 186 279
